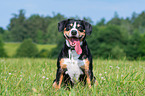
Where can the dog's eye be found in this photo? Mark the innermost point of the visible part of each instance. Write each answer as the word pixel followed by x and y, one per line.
pixel 80 28
pixel 68 27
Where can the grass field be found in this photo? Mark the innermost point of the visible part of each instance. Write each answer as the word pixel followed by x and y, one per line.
pixel 12 47
pixel 25 77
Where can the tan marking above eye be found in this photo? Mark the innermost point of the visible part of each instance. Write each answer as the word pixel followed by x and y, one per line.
pixel 78 25
pixel 71 24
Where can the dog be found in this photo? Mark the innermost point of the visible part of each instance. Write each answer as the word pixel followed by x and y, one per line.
pixel 74 62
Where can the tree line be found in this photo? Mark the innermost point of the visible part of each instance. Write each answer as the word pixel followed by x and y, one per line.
pixel 116 38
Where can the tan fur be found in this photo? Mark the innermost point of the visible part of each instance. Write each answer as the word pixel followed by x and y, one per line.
pixel 57 86
pixel 63 66
pixel 66 32
pixel 80 33
pixel 86 68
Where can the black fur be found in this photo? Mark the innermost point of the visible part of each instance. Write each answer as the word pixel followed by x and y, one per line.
pixel 85 53
pixel 86 25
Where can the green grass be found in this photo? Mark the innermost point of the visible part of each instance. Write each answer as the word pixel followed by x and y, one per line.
pixel 34 77
pixel 11 48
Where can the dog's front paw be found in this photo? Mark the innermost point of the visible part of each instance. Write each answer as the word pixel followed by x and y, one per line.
pixel 96 83
pixel 56 86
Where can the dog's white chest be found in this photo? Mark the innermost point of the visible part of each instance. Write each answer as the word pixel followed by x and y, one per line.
pixel 73 65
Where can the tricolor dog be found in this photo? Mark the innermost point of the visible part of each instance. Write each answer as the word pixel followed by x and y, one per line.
pixel 74 61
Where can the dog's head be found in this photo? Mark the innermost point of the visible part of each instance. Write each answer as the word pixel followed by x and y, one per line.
pixel 74 31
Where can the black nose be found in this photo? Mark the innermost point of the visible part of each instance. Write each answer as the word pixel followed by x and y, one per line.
pixel 73 32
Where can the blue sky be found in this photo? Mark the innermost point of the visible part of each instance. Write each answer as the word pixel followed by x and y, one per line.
pixel 95 9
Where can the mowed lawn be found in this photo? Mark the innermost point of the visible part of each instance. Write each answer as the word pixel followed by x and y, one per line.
pixel 11 48
pixel 34 77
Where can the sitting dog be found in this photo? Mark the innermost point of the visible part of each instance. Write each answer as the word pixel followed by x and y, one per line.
pixel 74 61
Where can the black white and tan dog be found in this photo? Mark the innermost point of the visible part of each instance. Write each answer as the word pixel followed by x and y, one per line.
pixel 74 61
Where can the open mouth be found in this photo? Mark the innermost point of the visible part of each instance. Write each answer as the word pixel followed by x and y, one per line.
pixel 72 40
pixel 75 42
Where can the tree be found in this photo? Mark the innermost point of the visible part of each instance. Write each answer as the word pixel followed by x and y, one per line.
pixel 17 26
pixel 35 25
pixel 101 22
pixel 142 47
pixel 2 51
pixel 1 30
pixel 139 21
pixel 53 36
pixel 88 19
pixel 27 49
pixel 132 48
pixel 107 42
pixel 115 20
pixel 134 16
pixel 55 52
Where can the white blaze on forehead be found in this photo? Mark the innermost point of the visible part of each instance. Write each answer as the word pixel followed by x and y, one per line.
pixel 75 25
pixel 74 28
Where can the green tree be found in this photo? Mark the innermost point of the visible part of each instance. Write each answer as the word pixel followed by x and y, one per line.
pixel 17 26
pixel 101 22
pixel 142 47
pixel 115 20
pixel 139 21
pixel 55 52
pixel 53 35
pixel 88 19
pixel 35 25
pixel 7 37
pixel 27 49
pixel 107 42
pixel 132 48
pixel 2 51
pixel 1 30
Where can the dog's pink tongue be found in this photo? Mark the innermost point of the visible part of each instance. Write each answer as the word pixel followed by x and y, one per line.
pixel 78 47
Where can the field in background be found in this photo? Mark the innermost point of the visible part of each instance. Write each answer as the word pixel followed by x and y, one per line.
pixel 12 47
pixel 23 76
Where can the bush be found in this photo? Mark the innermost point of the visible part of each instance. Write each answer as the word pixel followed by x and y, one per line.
pixel 55 51
pixel 27 49
pixel 44 53
pixel 2 51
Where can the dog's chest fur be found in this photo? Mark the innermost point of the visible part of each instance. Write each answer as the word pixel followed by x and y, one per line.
pixel 73 65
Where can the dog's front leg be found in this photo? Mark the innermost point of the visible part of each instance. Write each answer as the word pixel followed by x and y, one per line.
pixel 88 72
pixel 59 78
pixel 59 74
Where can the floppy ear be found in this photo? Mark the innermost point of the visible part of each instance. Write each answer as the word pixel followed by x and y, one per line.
pixel 88 28
pixel 61 25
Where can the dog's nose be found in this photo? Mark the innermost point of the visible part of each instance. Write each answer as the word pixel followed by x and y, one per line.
pixel 73 32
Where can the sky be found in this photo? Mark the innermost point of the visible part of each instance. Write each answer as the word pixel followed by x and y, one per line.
pixel 95 9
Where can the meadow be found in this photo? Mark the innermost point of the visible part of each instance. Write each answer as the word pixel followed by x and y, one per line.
pixel 30 76
pixel 11 48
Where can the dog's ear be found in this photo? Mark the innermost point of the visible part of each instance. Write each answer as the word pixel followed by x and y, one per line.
pixel 88 27
pixel 61 25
